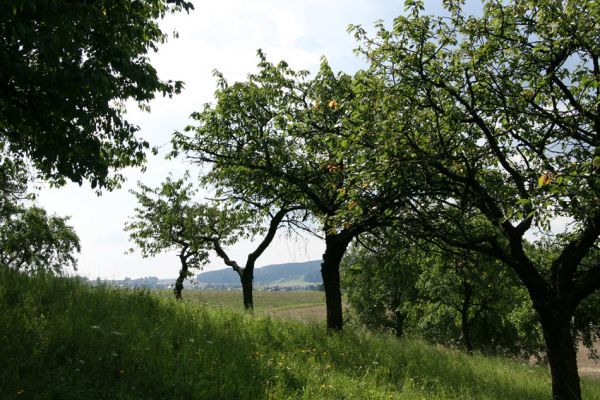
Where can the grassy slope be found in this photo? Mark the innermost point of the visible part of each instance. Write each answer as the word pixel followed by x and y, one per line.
pixel 62 340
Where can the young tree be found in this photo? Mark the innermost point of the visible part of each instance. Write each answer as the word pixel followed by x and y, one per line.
pixel 502 113
pixel 66 70
pixel 276 137
pixel 380 276
pixel 169 216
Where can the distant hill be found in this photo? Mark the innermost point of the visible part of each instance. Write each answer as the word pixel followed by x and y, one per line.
pixel 308 272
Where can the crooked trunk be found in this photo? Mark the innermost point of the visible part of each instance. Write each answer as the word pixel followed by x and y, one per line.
pixel 562 357
pixel 335 247
pixel 183 273
pixel 246 277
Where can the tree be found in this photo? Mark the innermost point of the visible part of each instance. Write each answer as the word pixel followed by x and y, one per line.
pixel 30 239
pixel 246 273
pixel 486 308
pixel 13 186
pixel 446 295
pixel 33 241
pixel 66 70
pixel 501 112
pixel 380 276
pixel 169 217
pixel 276 137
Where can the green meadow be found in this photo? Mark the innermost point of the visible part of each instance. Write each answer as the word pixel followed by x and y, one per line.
pixel 62 339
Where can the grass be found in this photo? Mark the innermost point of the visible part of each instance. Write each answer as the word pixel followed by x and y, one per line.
pixel 264 301
pixel 60 339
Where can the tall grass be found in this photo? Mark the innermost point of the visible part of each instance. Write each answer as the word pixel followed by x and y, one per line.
pixel 61 339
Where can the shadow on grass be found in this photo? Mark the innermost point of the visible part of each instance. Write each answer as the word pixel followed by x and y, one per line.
pixel 63 340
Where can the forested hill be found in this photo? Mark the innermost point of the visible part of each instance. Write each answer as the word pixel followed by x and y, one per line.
pixel 309 272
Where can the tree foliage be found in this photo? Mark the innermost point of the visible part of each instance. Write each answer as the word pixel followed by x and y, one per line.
pixel 66 71
pixel 30 239
pixel 171 217
pixel 449 296
pixel 33 241
pixel 282 137
pixel 501 113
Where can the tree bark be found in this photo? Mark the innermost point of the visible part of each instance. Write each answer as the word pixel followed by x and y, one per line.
pixel 335 247
pixel 399 320
pixel 464 315
pixel 246 277
pixel 562 357
pixel 183 273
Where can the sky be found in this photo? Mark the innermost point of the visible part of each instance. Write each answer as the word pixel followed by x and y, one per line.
pixel 222 35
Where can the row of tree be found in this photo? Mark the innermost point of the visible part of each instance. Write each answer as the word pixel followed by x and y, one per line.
pixel 451 296
pixel 471 131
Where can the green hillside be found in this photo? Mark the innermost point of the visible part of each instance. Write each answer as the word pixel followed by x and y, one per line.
pixel 307 272
pixel 61 339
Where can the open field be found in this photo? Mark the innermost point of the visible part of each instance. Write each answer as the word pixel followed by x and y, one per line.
pixel 263 300
pixel 305 306
pixel 61 339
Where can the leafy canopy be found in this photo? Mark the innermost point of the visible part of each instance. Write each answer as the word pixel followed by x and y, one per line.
pixel 66 71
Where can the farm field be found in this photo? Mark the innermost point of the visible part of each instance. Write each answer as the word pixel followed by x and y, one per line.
pixel 308 306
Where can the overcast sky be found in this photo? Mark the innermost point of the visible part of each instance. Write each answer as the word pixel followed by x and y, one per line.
pixel 223 35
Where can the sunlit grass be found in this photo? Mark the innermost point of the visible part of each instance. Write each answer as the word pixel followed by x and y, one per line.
pixel 60 339
pixel 263 300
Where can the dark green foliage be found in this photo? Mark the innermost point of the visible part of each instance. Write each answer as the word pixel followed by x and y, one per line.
pixel 32 240
pixel 455 298
pixel 66 70
pixel 13 185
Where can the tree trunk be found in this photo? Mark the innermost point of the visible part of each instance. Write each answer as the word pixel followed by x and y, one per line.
pixel 183 273
pixel 561 355
pixel 399 328
pixel 399 317
pixel 247 276
pixel 335 247
pixel 465 325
